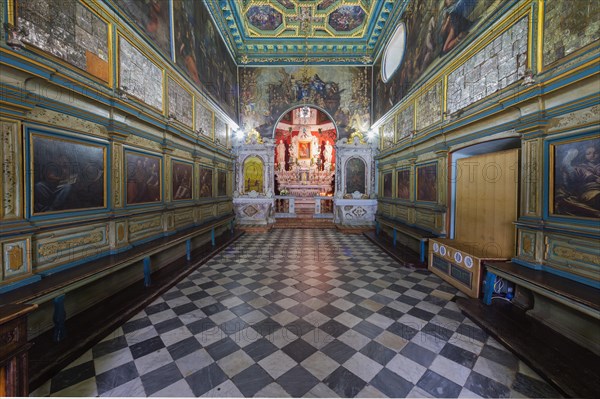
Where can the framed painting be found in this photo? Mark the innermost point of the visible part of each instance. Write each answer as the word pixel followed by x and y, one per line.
pixel 403 184
pixel 205 179
pixel 181 180
pixel 304 150
pixel 68 174
pixel 253 175
pixel 221 183
pixel 427 182
pixel 575 178
pixel 356 176
pixel 387 185
pixel 144 178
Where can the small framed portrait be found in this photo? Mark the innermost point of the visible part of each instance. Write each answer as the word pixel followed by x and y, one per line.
pixel 403 184
pixel 427 182
pixel 575 178
pixel 304 150
pixel 205 180
pixel 181 180
pixel 68 174
pixel 221 183
pixel 144 178
pixel 387 185
pixel 356 176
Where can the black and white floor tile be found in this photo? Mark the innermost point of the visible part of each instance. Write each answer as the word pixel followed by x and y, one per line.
pixel 301 313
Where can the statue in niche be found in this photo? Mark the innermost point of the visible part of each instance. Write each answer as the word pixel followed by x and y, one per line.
pixel 328 155
pixel 281 155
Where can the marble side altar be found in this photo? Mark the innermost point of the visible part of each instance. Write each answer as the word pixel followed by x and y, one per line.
pixel 253 198
pixel 355 203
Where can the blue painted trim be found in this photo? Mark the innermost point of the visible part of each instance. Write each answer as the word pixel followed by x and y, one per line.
pixel 422 253
pixel 188 249
pixel 59 317
pixel 212 237
pixel 488 288
pixel 20 283
pixel 395 239
pixel 147 272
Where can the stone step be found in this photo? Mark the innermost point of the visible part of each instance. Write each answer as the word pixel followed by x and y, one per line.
pixel 304 223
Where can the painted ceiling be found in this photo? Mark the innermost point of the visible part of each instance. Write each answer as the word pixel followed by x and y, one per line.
pixel 290 31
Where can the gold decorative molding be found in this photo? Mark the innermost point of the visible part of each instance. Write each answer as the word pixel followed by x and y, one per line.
pixel 254 137
pixel 54 248
pixel 570 253
pixel 12 177
pixel 134 228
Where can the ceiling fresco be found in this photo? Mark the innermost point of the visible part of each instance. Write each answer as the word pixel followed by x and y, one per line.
pixel 289 31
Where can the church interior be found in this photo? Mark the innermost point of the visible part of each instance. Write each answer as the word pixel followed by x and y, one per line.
pixel 300 198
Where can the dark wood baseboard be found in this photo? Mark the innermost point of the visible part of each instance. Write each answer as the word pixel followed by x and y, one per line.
pixel 46 357
pixel 572 369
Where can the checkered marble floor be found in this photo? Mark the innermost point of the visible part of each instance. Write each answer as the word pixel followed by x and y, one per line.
pixel 301 313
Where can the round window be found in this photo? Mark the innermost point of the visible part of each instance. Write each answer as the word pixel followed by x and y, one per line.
pixel 394 53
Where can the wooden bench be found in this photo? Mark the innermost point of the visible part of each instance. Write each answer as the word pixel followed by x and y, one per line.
pixel 571 368
pixel 414 232
pixel 578 296
pixel 69 338
pixel 400 253
pixel 54 287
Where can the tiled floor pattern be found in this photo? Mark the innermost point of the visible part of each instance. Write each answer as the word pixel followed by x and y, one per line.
pixel 301 313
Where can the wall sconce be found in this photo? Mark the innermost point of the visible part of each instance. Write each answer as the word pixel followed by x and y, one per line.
pixel 14 36
pixel 121 92
pixel 528 78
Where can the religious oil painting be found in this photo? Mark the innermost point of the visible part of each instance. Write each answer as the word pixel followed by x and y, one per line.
pixel 68 175
pixel 253 175
pixel 221 183
pixel 181 176
pixel 403 184
pixel 202 54
pixel 205 179
pixel 304 150
pixel 144 178
pixel 434 29
pixel 264 17
pixel 356 176
pixel 575 178
pixel 427 182
pixel 152 17
pixel 347 18
pixel 342 92
pixel 387 185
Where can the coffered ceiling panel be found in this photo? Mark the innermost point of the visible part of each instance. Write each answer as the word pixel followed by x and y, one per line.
pixel 291 31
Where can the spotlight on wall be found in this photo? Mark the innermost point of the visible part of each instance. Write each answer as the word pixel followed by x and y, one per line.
pixel 371 134
pixel 239 134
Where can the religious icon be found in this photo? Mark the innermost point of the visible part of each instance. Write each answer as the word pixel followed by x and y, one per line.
pixel 304 150
pixel 67 175
pixel 403 184
pixel 181 174
pixel 575 178
pixel 143 178
pixel 206 182
pixel 427 182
